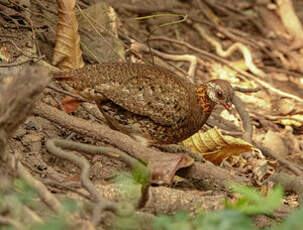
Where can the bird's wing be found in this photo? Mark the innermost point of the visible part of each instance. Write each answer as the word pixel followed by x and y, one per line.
pixel 165 100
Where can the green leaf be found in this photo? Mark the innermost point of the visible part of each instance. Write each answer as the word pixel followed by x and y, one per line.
pixel 226 220
pixel 178 221
pixel 181 216
pixel 222 220
pixel 70 205
pixel 162 222
pixel 141 175
pixel 55 223
pixel 250 193
pixel 25 192
pixel 253 203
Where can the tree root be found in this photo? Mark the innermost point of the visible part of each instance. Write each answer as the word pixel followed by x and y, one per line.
pixel 205 175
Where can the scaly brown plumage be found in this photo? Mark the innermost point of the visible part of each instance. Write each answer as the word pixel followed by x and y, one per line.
pixel 148 102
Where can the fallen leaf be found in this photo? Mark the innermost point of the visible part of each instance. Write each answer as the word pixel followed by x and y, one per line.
pixel 215 147
pixel 67 52
pixel 99 24
pixel 163 170
pixel 296 121
pixel 70 104
pixel 4 54
pixel 283 106
pixel 274 141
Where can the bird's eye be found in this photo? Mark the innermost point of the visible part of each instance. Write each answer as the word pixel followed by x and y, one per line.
pixel 220 95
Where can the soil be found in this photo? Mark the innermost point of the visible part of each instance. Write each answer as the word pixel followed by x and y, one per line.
pixel 31 27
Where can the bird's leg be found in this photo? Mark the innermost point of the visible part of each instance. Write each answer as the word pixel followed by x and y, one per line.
pixel 171 148
pixel 144 141
pixel 175 148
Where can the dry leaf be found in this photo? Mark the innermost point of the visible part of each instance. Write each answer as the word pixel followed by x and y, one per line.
pixel 163 170
pixel 70 104
pixel 4 54
pixel 274 141
pixel 215 147
pixel 283 106
pixel 296 121
pixel 67 52
pixel 226 73
pixel 99 24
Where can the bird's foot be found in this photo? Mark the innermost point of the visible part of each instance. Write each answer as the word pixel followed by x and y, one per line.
pixel 174 148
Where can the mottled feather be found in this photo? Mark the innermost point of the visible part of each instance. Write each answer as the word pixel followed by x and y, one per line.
pixel 145 101
pixel 139 88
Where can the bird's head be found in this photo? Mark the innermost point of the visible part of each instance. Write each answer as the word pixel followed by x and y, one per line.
pixel 220 92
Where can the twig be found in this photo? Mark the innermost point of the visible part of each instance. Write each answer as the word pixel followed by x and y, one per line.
pixel 111 152
pixel 238 103
pixel 186 57
pixel 243 73
pixel 66 187
pixel 267 152
pixel 278 70
pixel 225 53
pixel 49 199
pixel 45 8
pixel 274 118
pixel 19 49
pixel 200 173
pixel 92 22
pixel 101 207
pixel 79 98
pixel 93 110
pixel 22 62
pixel 96 150
pixel 246 90
pixel 31 12
pixel 290 184
pixel 236 35
pixel 54 146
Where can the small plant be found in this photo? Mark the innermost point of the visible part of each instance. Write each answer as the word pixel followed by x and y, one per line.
pixel 17 197
pixel 253 202
pixel 233 217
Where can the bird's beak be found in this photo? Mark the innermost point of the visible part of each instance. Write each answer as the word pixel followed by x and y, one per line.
pixel 226 105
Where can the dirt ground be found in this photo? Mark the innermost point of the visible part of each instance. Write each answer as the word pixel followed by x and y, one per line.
pixel 275 111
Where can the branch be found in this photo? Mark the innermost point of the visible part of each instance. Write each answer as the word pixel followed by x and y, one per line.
pixel 48 198
pixel 200 173
pixel 191 59
pixel 238 70
pixel 225 53
pixel 290 20
pixel 161 200
pixel 54 146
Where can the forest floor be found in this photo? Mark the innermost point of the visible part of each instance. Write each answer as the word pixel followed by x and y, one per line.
pixel 275 111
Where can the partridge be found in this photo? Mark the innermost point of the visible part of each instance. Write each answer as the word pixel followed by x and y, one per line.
pixel 147 102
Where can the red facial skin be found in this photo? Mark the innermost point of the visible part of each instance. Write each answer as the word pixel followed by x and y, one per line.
pixel 226 105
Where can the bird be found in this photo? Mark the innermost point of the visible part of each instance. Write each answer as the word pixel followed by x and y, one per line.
pixel 150 103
